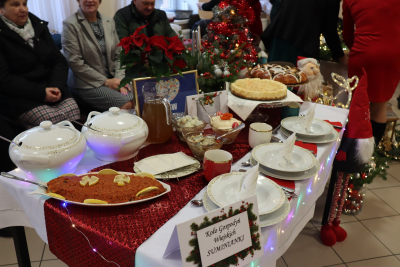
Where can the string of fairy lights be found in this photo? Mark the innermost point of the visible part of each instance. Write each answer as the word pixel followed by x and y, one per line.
pixel 87 239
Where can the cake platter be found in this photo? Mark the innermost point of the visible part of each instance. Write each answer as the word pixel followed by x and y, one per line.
pixel 42 191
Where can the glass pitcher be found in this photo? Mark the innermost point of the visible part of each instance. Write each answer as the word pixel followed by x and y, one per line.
pixel 157 113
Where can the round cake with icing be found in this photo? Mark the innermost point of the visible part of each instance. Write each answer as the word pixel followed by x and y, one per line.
pixel 284 74
pixel 259 89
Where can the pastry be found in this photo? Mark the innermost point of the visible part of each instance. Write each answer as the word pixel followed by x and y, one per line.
pixel 283 74
pixel 259 89
pixel 105 188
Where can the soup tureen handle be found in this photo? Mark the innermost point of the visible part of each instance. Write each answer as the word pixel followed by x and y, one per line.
pixel 35 159
pixel 134 137
pixel 91 114
pixel 66 123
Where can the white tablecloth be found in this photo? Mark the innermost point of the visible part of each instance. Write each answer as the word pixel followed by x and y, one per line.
pixel 19 208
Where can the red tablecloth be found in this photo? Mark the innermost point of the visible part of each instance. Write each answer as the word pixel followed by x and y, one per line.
pixel 117 232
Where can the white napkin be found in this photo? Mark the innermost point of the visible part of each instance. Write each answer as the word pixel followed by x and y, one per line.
pixel 307 119
pixel 248 183
pixel 285 154
pixel 164 163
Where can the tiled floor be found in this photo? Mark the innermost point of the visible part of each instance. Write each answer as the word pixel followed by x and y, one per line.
pixel 373 235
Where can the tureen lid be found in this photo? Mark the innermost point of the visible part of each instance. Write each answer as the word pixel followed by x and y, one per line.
pixel 48 136
pixel 115 120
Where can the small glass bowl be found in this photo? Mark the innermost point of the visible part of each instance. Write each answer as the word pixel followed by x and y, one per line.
pixel 181 131
pixel 230 138
pixel 198 149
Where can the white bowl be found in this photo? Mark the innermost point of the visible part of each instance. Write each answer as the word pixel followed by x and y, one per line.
pixel 115 135
pixel 48 151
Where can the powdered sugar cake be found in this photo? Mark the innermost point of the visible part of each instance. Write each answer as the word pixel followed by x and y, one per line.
pixel 259 89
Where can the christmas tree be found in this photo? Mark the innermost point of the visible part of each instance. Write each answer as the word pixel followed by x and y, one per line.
pixel 228 45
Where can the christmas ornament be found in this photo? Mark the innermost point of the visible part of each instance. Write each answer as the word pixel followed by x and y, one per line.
pixel 218 72
pixel 357 175
pixel 311 90
pixel 226 72
pixel 345 83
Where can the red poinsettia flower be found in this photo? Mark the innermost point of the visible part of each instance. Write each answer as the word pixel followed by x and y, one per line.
pixel 180 63
pixel 126 44
pixel 137 38
pixel 157 41
pixel 175 46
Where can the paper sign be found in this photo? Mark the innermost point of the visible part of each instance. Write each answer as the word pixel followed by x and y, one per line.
pixel 225 238
pixel 230 234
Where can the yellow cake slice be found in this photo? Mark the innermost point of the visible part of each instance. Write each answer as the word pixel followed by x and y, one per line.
pixel 259 89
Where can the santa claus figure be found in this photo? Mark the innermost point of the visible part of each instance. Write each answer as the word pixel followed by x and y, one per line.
pixel 355 151
pixel 310 90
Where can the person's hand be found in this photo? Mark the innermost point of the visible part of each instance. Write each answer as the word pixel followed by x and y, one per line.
pixel 113 83
pixel 344 60
pixel 53 94
pixel 199 4
pixel 124 90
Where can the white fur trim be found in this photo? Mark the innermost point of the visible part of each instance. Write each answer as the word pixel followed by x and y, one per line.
pixel 312 88
pixel 365 149
pixel 301 63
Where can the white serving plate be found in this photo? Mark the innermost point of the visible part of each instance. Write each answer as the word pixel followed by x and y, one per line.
pixel 41 191
pixel 318 127
pixel 267 155
pixel 222 191
pixel 265 220
pixel 177 173
pixel 332 136
pixel 293 176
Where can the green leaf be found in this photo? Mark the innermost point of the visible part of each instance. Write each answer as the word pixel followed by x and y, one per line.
pixel 124 82
pixel 156 56
pixel 133 72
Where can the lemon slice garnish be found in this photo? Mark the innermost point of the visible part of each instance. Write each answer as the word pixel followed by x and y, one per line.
pixel 56 195
pixel 147 190
pixel 68 175
pixel 121 179
pixel 145 174
pixel 91 180
pixel 108 171
pixel 94 201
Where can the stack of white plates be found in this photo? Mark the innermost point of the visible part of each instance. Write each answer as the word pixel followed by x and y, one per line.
pixel 273 205
pixel 320 131
pixel 302 166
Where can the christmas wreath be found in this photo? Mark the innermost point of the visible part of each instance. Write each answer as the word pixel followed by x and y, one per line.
pixel 234 259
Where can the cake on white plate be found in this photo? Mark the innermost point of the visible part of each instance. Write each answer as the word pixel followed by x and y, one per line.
pixel 259 89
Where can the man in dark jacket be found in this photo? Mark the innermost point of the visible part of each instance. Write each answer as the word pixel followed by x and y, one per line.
pixel 139 13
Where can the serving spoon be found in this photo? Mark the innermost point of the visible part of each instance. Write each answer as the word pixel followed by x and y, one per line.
pixel 12 142
pixel 197 202
pixel 238 128
pixel 8 175
pixel 201 104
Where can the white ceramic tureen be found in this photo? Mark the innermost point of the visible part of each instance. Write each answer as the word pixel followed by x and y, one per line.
pixel 48 151
pixel 115 135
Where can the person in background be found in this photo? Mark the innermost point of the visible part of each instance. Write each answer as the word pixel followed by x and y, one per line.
pixel 374 46
pixel 33 72
pixel 276 5
pixel 297 27
pixel 255 27
pixel 90 45
pixel 139 13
